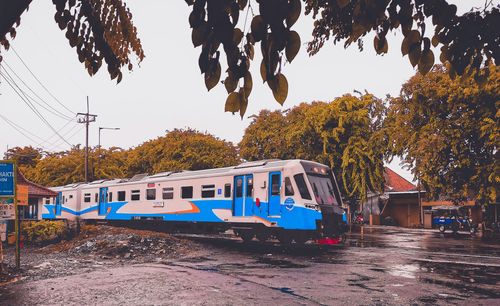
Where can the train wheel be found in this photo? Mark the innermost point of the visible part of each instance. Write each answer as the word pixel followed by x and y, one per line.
pixel 262 236
pixel 246 235
pixel 285 238
pixel 301 238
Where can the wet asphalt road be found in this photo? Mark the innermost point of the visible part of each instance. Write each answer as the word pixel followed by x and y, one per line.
pixel 378 265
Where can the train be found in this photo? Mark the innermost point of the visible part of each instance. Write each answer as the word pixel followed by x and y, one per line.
pixel 290 200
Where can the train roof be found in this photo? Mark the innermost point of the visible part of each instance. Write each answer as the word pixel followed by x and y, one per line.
pixel 257 166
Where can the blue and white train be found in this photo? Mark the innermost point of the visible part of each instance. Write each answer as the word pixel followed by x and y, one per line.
pixel 287 199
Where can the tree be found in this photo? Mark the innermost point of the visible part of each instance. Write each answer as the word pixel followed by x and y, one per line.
pixel 345 134
pixel 66 167
pixel 25 157
pixel 181 150
pixel 61 168
pixel 468 42
pixel 448 132
pixel 98 29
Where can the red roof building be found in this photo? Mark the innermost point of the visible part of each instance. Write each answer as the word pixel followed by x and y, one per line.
pixel 396 183
pixel 34 189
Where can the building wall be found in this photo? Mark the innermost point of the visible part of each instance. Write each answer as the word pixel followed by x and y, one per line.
pixel 407 215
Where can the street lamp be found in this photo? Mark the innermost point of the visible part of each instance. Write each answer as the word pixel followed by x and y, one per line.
pixel 104 128
pixel 99 143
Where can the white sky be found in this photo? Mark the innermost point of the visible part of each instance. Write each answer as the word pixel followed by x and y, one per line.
pixel 167 91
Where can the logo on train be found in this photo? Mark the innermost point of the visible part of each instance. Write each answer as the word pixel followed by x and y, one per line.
pixel 289 203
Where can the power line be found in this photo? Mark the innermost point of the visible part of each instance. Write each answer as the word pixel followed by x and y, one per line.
pixel 33 108
pixel 29 88
pixel 39 82
pixel 28 97
pixel 20 130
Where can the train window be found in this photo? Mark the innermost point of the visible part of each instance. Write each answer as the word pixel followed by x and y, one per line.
pixel 187 192
pixel 96 197
pixel 227 190
pixel 168 193
pixel 86 198
pixel 288 187
pixel 121 195
pixel 135 195
pixel 301 184
pixel 110 197
pixel 71 196
pixel 249 187
pixel 208 191
pixel 151 194
pixel 239 188
pixel 47 201
pixel 63 200
pixel 275 184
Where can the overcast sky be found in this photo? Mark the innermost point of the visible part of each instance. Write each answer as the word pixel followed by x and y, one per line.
pixel 167 91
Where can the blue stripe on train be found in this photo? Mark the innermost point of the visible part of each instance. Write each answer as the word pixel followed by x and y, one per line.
pixel 294 218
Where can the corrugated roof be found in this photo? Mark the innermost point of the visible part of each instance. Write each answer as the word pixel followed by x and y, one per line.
pixel 34 189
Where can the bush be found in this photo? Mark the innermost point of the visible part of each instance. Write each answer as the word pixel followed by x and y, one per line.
pixel 43 231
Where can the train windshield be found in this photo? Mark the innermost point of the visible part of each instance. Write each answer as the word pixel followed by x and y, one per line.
pixel 323 188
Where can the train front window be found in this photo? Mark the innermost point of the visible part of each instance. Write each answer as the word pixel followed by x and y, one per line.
pixel 322 186
pixel 301 184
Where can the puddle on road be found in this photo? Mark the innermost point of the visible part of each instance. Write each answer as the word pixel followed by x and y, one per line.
pixel 406 271
pixel 280 263
pixel 196 259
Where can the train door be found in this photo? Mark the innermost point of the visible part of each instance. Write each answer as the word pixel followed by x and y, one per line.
pixel 59 200
pixel 239 203
pixel 103 194
pixel 248 195
pixel 243 195
pixel 274 193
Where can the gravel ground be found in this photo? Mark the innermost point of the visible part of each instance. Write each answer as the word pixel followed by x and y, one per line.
pixel 96 246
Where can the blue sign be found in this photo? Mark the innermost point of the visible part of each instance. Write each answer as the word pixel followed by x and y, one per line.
pixel 6 180
pixel 289 203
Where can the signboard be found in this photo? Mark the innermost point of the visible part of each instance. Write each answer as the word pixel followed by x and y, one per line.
pixel 22 195
pixel 7 211
pixel 6 179
pixel 3 230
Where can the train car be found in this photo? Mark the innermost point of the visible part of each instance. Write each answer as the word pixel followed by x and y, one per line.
pixel 287 199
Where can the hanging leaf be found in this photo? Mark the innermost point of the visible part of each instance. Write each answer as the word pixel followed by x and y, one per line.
pixel 279 86
pixel 263 72
pixel 230 82
pixel 409 40
pixel 380 45
pixel 292 45
pixel 414 55
pixel 243 102
pixel 212 77
pixel 237 36
pixel 426 62
pixel 247 84
pixel 444 54
pixel 199 35
pixel 293 12
pixel 435 40
pixel 258 28
pixel 232 102
pixel 249 50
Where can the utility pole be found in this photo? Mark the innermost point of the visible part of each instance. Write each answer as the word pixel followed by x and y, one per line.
pixel 86 118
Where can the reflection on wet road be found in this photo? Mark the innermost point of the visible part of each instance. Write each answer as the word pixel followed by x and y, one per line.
pixel 377 265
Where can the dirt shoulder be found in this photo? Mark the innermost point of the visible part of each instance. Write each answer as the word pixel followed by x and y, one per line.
pixel 94 247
